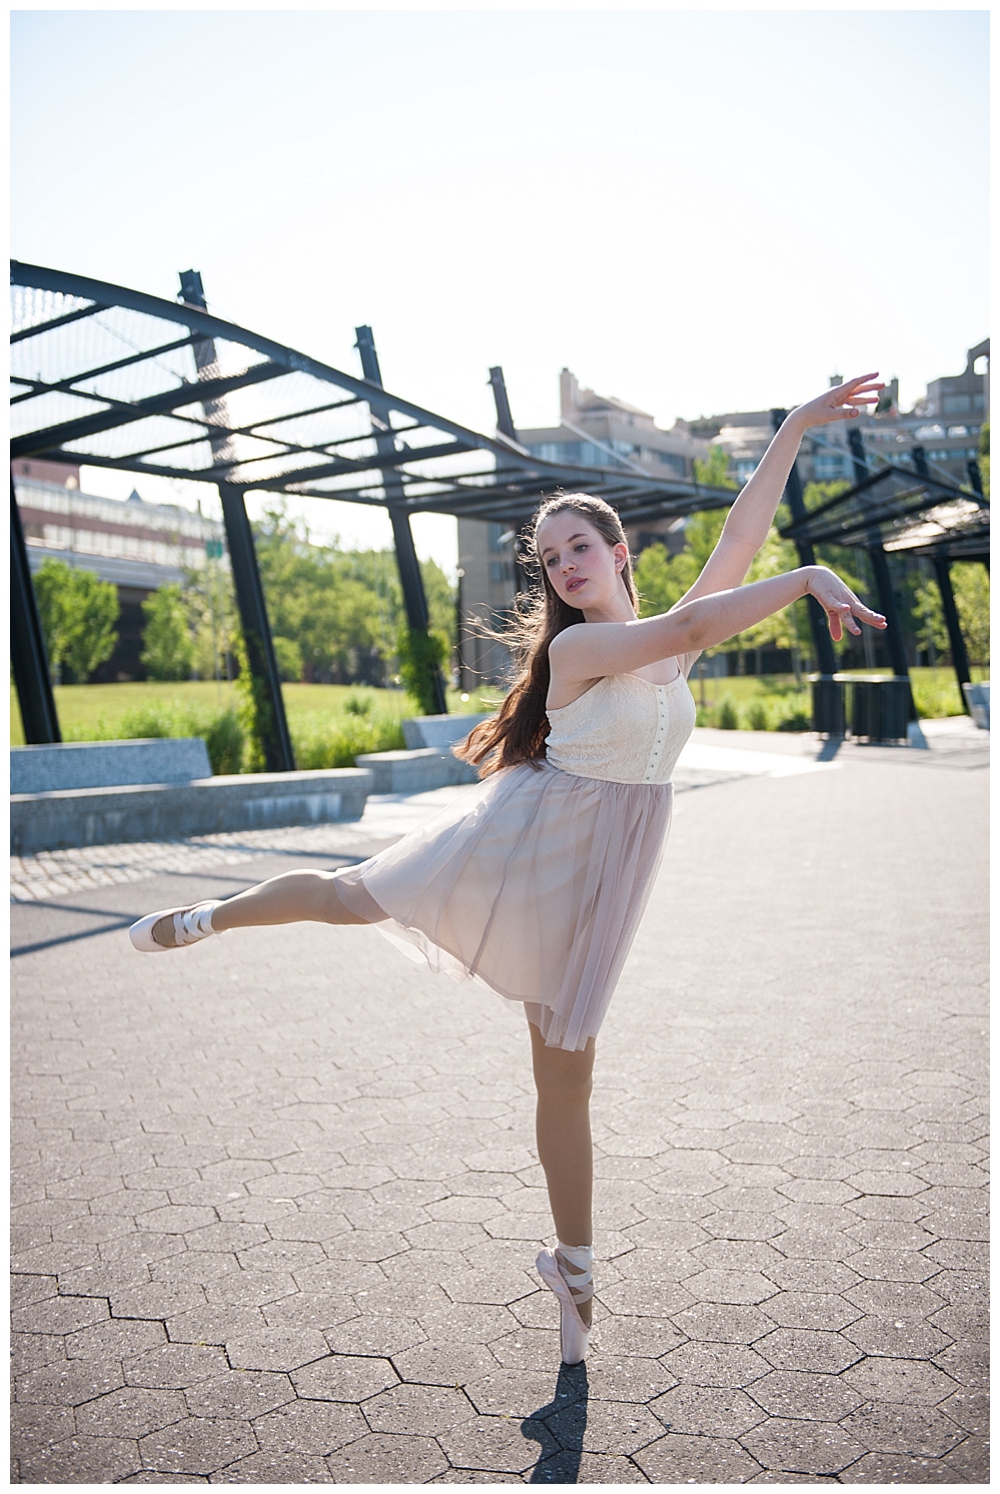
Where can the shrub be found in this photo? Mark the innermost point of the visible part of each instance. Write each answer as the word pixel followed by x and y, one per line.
pixel 758 716
pixel 288 657
pixel 335 741
pixel 420 657
pixel 168 647
pixel 225 742
pixel 358 703
pixel 797 721
pixel 728 717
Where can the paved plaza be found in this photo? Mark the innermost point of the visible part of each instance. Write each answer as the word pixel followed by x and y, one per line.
pixel 276 1204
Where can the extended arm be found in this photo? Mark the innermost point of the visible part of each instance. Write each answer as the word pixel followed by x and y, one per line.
pixel 751 516
pixel 588 651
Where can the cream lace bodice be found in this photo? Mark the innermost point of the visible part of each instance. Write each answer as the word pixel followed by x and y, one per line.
pixel 624 729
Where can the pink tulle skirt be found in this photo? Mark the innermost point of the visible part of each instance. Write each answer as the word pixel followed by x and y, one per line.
pixel 533 886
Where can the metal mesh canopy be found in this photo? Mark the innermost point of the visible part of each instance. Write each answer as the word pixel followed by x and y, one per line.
pixel 109 377
pixel 902 511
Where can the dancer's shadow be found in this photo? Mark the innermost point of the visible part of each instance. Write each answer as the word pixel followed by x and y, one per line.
pixel 558 1427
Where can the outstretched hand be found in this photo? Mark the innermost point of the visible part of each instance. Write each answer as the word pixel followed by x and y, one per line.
pixel 839 603
pixel 842 402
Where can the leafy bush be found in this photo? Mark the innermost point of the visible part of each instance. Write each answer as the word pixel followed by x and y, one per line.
pixel 335 741
pixel 359 703
pixel 797 721
pixel 758 716
pixel 420 656
pixel 288 656
pixel 220 730
pixel 727 716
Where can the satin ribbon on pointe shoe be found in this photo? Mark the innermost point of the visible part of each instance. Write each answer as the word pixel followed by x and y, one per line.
pixel 571 1289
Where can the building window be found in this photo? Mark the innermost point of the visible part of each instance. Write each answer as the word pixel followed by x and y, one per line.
pixel 828 465
pixel 956 404
pixel 501 571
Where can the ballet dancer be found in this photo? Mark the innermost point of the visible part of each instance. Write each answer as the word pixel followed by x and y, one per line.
pixel 535 884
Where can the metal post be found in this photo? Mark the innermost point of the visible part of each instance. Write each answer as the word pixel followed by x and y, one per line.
pixel 27 643
pixel 822 642
pixel 959 656
pixel 276 741
pixel 975 477
pixel 505 420
pixel 414 596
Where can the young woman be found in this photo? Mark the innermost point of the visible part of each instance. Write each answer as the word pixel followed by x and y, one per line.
pixel 535 886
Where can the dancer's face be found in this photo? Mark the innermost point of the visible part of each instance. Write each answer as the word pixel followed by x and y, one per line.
pixel 582 568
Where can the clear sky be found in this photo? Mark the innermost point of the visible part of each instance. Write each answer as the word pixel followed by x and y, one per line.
pixel 697 211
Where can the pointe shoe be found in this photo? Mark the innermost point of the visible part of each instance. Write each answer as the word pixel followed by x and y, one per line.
pixel 574 1334
pixel 190 926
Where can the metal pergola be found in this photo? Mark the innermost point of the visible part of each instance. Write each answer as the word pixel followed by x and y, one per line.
pixel 899 510
pixel 109 377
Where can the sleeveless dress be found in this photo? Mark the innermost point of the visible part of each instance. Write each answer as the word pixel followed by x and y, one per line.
pixel 534 887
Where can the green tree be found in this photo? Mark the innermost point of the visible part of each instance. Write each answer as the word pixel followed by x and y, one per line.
pixel 78 613
pixel 984 456
pixel 289 658
pixel 168 647
pixel 713 470
pixel 210 603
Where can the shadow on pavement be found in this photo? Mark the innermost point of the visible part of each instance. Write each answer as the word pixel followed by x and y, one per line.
pixel 562 1421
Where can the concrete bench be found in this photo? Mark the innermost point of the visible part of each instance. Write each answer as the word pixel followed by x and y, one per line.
pixel 438 731
pixel 86 765
pixel 415 772
pixel 62 818
pixel 977 698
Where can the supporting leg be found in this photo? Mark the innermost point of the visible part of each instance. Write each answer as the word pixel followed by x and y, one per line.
pixel 564 1082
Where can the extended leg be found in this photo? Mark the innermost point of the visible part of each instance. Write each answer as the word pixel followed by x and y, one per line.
pixel 294 897
pixel 564 1082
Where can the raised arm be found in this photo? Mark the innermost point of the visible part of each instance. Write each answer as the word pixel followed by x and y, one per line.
pixel 751 516
pixel 588 651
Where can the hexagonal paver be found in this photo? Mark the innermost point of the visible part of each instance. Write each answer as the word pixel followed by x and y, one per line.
pixel 912 1381
pixel 199 1444
pixel 740 1287
pixel 520 1393
pixel 276 1348
pixel 706 1412
pixel 894 1299
pixel 900 1468
pixel 799 1394
pixel 818 1310
pixel 804 1349
pixel 921 1431
pixel 275 1468
pixel 173 1366
pixel 678 1459
pixel 444 1363
pixel 716 1323
pixel 315 1428
pixel 345 1377
pixel 631 1377
pixel 239 1394
pixel 386 1459
pixel 721 1365
pixel 605 1426
pixel 898 1338
pixel 378 1335
pixel 803 1446
pixel 69 1383
pixel 421 1409
pixel 572 1467
pixel 59 1315
pixel 495 1444
pixel 81 1460
pixel 130 1411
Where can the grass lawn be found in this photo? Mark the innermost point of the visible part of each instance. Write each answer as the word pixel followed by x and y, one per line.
pixel 95 711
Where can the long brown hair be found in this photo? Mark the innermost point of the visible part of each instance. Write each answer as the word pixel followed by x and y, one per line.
pixel 516 734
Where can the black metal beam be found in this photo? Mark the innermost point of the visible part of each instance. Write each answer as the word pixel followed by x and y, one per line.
pixel 889 610
pixel 122 413
pixel 57 321
pixel 411 581
pixel 27 643
pixel 272 724
pixel 822 642
pixel 959 656
pixel 275 738
pixel 505 420
pixel 39 387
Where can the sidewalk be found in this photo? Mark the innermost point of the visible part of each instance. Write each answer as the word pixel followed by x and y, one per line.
pixel 276 1205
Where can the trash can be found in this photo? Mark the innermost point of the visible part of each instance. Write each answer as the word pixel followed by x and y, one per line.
pixel 977 699
pixel 828 713
pixel 880 709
